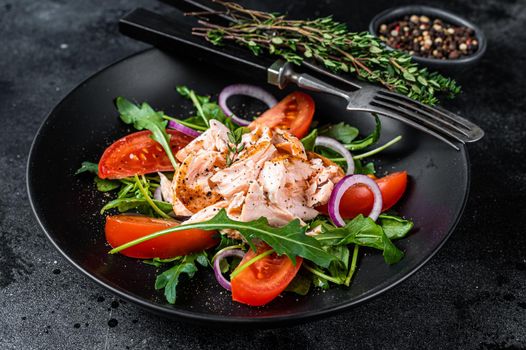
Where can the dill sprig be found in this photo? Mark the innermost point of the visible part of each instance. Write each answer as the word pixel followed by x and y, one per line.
pixel 329 43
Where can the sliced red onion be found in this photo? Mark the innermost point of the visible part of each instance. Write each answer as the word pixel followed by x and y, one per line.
pixel 157 194
pixel 246 90
pixel 338 147
pixel 182 128
pixel 217 269
pixel 342 186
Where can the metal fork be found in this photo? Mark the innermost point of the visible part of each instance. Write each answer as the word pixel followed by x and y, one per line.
pixel 366 97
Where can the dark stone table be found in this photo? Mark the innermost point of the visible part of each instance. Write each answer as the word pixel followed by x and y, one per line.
pixel 472 294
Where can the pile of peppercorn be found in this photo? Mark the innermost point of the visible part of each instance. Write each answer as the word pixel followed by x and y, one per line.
pixel 421 36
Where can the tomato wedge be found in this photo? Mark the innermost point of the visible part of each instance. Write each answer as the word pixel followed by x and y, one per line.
pixel 294 113
pixel 359 200
pixel 122 229
pixel 265 279
pixel 138 154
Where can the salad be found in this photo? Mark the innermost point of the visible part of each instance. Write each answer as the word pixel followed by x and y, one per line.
pixel 272 204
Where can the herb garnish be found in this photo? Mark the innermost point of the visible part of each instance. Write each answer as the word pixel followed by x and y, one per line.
pixel 329 43
pixel 234 144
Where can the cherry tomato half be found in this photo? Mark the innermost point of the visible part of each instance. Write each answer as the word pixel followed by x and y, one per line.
pixel 359 200
pixel 294 113
pixel 265 279
pixel 138 153
pixel 121 229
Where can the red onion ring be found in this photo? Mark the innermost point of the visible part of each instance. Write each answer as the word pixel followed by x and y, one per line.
pixel 184 129
pixel 338 147
pixel 246 90
pixel 217 269
pixel 342 186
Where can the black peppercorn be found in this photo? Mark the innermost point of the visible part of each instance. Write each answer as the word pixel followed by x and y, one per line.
pixel 429 37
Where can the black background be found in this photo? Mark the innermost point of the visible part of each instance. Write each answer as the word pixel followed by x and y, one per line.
pixel 470 295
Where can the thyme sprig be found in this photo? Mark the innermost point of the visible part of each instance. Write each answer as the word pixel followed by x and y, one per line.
pixel 329 43
pixel 234 145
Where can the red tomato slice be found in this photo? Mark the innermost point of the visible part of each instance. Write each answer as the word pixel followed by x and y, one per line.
pixel 138 154
pixel 359 200
pixel 264 280
pixel 294 113
pixel 121 229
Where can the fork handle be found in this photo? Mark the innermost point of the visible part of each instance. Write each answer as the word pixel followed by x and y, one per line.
pixel 280 73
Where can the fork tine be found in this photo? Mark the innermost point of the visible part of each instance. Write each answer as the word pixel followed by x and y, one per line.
pixel 417 121
pixel 472 131
pixel 395 115
pixel 415 109
pixel 422 106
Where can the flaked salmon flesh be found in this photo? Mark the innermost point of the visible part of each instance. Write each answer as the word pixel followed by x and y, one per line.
pixel 272 177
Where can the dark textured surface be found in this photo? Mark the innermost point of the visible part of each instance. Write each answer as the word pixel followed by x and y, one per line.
pixel 472 294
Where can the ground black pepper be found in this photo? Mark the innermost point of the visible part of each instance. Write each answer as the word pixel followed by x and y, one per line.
pixel 431 38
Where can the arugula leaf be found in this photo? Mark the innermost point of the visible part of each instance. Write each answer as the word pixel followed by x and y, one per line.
pixel 145 117
pixel 320 282
pixel 289 239
pixel 395 227
pixel 202 259
pixel 140 204
pixel 206 110
pixel 130 113
pixel 225 242
pixel 309 140
pixel 341 252
pixel 300 284
pixel 158 262
pixel 196 123
pixel 360 168
pixel 105 185
pixel 322 221
pixel 342 132
pixel 365 232
pixel 187 92
pixel 369 140
pixel 88 167
pixel 169 279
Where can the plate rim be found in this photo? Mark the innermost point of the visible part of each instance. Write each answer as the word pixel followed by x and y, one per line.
pixel 265 321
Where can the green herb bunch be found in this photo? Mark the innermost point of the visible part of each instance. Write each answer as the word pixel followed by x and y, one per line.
pixel 329 43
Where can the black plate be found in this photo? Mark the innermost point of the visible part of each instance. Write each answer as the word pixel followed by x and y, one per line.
pixel 85 123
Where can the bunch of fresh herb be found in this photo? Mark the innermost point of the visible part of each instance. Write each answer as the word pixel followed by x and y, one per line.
pixel 329 43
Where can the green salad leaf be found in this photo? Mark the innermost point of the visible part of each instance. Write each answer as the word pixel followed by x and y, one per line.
pixel 145 117
pixel 365 169
pixel 158 262
pixel 289 239
pixel 369 140
pixel 88 167
pixel 169 279
pixel 365 232
pixel 206 109
pixel 395 227
pixel 300 284
pixel 105 185
pixel 342 132
pixel 140 204
pixel 309 140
